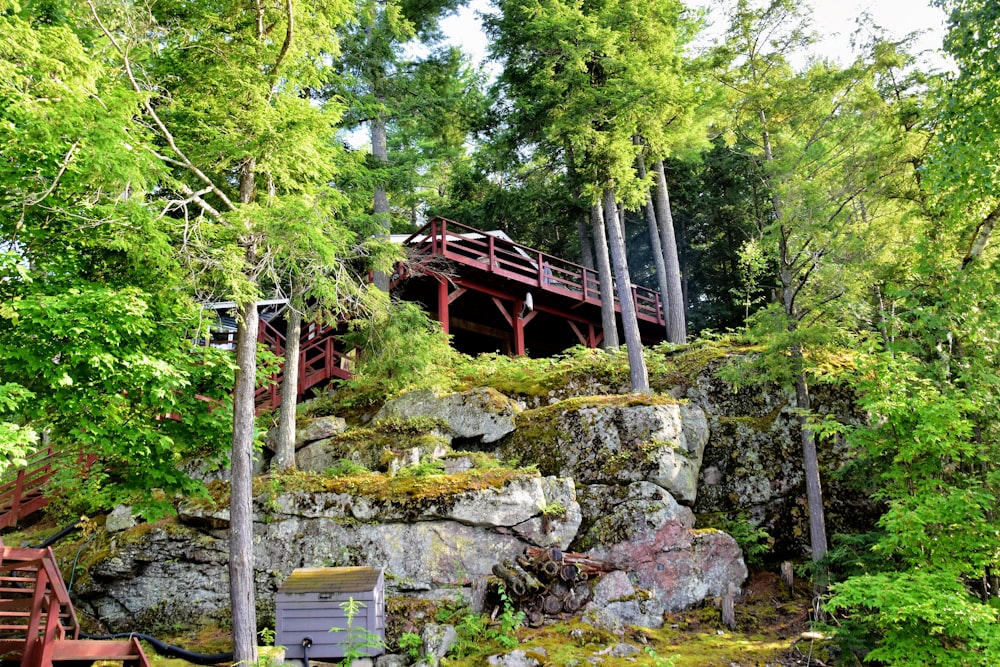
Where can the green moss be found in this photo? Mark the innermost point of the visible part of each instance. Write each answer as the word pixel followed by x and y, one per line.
pixel 762 424
pixel 671 367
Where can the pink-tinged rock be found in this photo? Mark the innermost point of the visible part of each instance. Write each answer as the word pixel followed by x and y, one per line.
pixel 679 566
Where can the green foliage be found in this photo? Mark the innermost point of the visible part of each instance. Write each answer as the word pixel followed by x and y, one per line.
pixel 422 469
pixel 478 635
pixel 411 644
pixel 924 617
pixel 554 510
pixel 754 541
pixel 360 640
pixel 345 467
pixel 16 441
pixel 401 349
pixel 267 636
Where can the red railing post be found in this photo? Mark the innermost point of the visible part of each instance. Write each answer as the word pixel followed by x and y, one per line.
pixel 15 501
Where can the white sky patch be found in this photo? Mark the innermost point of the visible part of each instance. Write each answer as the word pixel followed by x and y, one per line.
pixel 833 20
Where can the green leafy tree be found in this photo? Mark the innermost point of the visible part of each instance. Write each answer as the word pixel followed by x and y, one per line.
pixel 387 91
pixel 251 160
pixel 930 381
pixel 826 138
pixel 581 81
pixel 96 329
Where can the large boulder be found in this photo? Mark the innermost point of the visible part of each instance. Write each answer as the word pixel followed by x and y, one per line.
pixel 617 604
pixel 619 513
pixel 615 440
pixel 752 466
pixel 483 414
pixel 679 566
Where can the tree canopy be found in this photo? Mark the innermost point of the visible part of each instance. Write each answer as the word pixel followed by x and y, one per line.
pixel 159 158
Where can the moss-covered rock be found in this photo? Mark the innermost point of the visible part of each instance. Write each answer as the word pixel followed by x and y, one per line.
pixel 614 440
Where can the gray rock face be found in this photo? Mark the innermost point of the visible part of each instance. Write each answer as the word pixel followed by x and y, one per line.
pixel 177 575
pixel 617 604
pixel 481 414
pixel 319 428
pixel 438 640
pixel 617 444
pixel 516 658
pixel 611 470
pixel 120 519
pixel 753 462
pixel 617 514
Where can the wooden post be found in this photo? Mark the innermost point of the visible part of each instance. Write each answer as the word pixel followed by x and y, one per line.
pixel 518 328
pixel 729 606
pixel 443 304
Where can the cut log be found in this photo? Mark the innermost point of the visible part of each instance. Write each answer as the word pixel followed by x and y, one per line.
pixel 512 582
pixel 531 582
pixel 552 605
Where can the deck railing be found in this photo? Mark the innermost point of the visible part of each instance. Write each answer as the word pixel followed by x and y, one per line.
pixel 502 257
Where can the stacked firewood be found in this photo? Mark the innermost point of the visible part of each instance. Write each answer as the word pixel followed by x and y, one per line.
pixel 549 582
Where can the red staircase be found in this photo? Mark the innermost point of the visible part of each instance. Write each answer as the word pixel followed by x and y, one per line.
pixel 38 626
pixel 21 494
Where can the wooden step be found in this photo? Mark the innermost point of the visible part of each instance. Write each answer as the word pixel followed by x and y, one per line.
pixel 123 650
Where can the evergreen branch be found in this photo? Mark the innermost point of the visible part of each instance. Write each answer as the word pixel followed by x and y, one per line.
pixel 167 135
pixel 33 201
pixel 55 181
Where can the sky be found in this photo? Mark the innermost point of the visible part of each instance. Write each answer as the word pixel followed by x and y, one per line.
pixel 832 19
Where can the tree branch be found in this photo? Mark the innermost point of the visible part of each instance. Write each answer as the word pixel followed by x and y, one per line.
pixel 167 135
pixel 289 29
pixel 983 232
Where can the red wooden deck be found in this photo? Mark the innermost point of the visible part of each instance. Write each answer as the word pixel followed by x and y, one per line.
pixel 477 284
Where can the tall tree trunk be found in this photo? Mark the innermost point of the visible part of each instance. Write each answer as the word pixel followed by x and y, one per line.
pixel 582 226
pixel 657 249
pixel 586 248
pixel 676 318
pixel 608 319
pixel 810 460
pixel 814 489
pixel 241 562
pixel 285 447
pixel 380 151
pixel 638 375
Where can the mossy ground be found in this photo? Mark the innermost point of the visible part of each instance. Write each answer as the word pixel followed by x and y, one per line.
pixel 770 620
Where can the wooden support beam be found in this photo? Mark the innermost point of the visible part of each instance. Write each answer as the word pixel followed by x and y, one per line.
pixel 442 294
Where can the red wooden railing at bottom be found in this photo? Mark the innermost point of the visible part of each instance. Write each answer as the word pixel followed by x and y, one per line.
pixel 38 625
pixel 22 491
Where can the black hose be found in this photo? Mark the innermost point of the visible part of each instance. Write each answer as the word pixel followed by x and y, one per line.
pixel 306 643
pixel 58 536
pixel 168 650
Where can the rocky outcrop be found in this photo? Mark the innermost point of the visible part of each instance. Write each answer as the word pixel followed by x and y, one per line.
pixel 610 476
pixel 752 465
pixel 172 571
pixel 482 415
pixel 612 441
